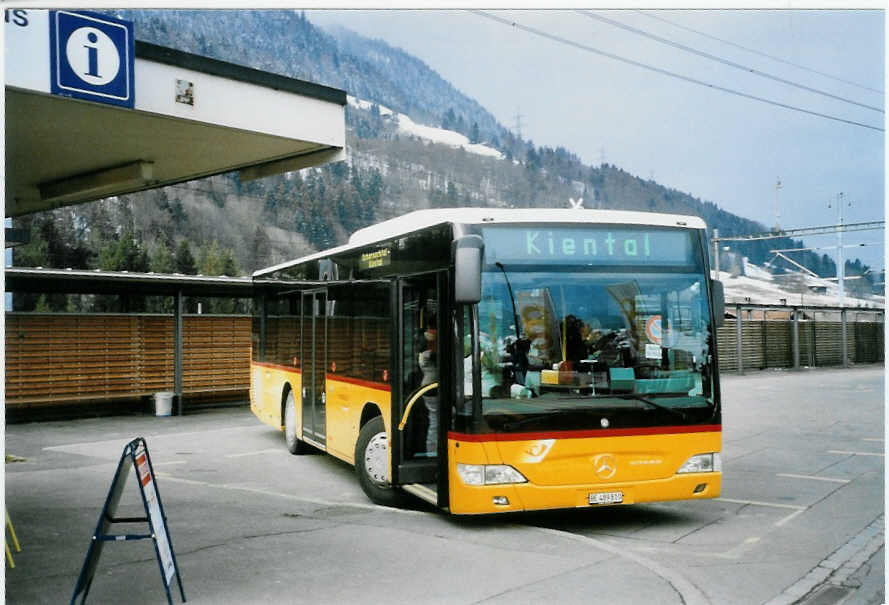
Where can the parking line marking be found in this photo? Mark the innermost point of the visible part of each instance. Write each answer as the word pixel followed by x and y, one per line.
pixel 122 442
pixel 797 510
pixel 315 501
pixel 256 453
pixel 687 591
pixel 814 478
pixel 736 551
pixel 169 462
pixel 845 453
pixel 786 519
pixel 872 439
pixel 768 504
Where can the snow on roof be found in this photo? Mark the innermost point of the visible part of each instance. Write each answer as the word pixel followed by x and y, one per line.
pixel 420 219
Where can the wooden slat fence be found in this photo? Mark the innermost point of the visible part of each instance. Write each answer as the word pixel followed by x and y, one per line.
pixel 769 343
pixel 65 358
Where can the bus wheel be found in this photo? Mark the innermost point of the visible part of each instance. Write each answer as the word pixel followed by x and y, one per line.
pixel 371 460
pixel 294 444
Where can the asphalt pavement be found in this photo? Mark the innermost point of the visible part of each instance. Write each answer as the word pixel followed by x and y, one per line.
pixel 800 519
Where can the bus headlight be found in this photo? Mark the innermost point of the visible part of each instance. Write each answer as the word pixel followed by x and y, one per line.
pixel 489 474
pixel 702 463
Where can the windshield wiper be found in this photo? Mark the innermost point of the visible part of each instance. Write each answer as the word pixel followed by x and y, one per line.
pixel 515 315
pixel 537 416
pixel 654 404
pixel 628 396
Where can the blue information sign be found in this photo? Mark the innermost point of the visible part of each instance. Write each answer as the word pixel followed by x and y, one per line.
pixel 92 57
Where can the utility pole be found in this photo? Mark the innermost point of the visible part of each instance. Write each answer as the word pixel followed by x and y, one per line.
pixel 716 250
pixel 777 214
pixel 841 262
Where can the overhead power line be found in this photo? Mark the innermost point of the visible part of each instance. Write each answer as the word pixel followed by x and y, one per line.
pixel 665 72
pixel 827 229
pixel 701 53
pixel 861 245
pixel 651 15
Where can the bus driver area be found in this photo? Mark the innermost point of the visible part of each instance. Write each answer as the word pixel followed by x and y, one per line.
pixel 491 361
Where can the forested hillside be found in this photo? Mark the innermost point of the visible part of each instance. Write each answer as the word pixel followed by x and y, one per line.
pixel 222 226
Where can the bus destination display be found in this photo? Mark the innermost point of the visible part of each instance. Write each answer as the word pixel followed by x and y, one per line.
pixel 588 245
pixel 375 259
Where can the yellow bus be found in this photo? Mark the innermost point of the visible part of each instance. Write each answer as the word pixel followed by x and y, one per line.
pixel 492 360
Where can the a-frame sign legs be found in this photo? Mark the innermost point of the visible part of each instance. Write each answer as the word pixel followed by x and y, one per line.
pixel 135 455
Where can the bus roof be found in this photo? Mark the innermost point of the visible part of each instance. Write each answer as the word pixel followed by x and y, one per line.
pixel 421 219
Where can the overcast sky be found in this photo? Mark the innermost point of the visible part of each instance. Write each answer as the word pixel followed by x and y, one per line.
pixel 711 144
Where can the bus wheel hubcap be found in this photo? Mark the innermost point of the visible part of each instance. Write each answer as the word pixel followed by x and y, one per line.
pixel 375 457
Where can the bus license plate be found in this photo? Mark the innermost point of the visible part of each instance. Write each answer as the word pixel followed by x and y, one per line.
pixel 607 498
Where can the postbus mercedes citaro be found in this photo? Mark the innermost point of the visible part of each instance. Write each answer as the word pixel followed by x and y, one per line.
pixel 493 360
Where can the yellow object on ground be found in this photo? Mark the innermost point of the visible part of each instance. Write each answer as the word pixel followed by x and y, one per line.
pixel 15 542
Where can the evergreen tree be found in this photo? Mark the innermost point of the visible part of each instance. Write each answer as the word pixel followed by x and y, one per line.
pixel 184 261
pixel 123 254
pixel 260 245
pixel 228 266
pixel 162 260
pixel 474 136
pixel 449 120
pixel 209 259
pixel 36 252
pixel 451 195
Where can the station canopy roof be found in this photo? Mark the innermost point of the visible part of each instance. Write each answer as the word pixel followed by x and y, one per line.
pixel 190 117
pixel 82 281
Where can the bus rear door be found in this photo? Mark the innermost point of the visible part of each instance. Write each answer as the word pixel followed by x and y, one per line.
pixel 314 347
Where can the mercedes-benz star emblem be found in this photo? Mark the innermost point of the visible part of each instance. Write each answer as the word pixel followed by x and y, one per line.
pixel 605 466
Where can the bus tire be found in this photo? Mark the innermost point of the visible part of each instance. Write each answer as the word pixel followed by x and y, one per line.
pixel 371 458
pixel 295 445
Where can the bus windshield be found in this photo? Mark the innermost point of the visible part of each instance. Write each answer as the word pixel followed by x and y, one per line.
pixel 592 327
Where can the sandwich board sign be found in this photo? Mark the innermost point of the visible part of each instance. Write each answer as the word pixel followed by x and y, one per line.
pixel 135 456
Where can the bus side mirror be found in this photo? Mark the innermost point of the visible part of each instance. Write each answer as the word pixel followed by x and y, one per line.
pixel 467 254
pixel 718 291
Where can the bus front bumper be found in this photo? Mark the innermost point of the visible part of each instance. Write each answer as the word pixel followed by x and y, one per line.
pixel 514 497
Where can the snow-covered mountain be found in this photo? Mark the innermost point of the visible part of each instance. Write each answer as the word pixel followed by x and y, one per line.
pixel 430 133
pixel 757 285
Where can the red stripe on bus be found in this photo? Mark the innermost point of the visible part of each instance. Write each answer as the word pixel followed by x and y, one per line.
pixel 277 366
pixel 649 430
pixel 381 386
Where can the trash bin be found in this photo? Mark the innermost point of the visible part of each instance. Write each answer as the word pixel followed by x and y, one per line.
pixel 163 403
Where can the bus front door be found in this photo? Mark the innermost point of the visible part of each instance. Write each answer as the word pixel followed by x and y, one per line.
pixel 419 430
pixel 314 345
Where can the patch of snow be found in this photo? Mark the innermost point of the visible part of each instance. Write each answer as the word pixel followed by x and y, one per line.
pixel 760 287
pixel 366 106
pixel 755 271
pixel 430 133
